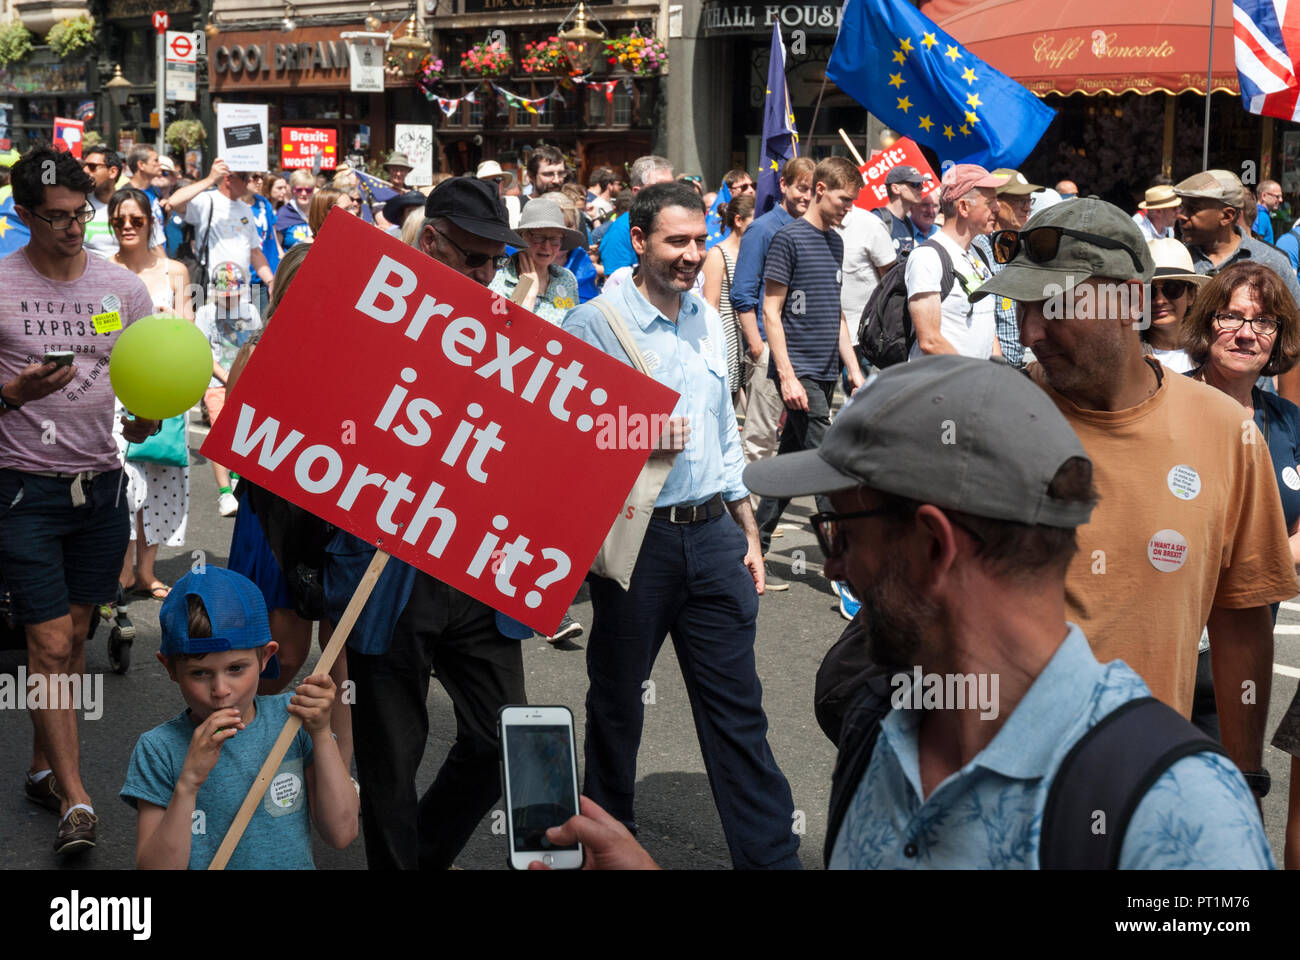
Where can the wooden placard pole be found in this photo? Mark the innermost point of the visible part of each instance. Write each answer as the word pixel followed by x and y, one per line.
pixel 290 729
pixel 852 149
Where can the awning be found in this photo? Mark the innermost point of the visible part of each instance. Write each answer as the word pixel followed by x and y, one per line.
pixel 1095 46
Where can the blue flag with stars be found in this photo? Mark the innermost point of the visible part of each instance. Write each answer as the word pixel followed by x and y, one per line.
pixel 713 219
pixel 13 232
pixel 897 63
pixel 780 141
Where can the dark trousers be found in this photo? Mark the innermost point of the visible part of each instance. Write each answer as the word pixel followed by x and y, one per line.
pixel 455 636
pixel 1205 711
pixel 804 430
pixel 689 583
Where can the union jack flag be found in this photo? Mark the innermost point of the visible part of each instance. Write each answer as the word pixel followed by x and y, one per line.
pixel 1265 35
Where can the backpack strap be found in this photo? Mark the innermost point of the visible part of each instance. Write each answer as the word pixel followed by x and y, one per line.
pixel 1108 771
pixel 945 263
pixel 857 742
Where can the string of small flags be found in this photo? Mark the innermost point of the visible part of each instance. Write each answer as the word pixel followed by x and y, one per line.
pixel 449 105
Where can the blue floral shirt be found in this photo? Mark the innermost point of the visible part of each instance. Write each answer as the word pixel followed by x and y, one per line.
pixel 988 815
pixel 553 303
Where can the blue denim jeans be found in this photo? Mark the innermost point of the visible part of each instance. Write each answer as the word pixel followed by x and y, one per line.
pixel 690 584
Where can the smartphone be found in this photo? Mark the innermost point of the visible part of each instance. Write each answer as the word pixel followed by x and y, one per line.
pixel 63 358
pixel 539 775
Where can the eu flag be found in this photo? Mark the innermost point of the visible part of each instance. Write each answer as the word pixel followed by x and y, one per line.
pixel 713 219
pixel 893 60
pixel 780 141
pixel 13 232
pixel 373 193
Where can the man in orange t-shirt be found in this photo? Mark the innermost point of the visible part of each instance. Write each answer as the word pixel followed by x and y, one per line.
pixel 1189 531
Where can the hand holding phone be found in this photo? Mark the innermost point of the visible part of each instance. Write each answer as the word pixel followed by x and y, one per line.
pixel 60 358
pixel 540 782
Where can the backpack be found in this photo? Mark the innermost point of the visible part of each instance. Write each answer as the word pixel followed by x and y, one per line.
pixel 885 334
pixel 1109 769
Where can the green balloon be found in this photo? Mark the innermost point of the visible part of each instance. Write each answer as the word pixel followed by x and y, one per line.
pixel 160 367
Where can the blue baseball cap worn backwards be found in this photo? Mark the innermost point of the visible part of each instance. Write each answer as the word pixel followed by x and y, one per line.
pixel 235 608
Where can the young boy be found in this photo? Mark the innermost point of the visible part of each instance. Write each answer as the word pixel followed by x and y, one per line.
pixel 188 777
pixel 227 320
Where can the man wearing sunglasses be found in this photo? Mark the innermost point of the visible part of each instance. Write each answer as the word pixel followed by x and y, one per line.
pixel 1189 531
pixel 64 526
pixel 1014 202
pixel 1208 220
pixel 906 188
pixel 959 553
pixel 104 167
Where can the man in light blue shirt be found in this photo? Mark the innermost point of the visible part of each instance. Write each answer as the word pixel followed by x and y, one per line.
pixel 616 244
pixel 699 571
pixel 956 489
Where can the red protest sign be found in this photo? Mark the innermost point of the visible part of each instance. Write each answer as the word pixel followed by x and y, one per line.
pixel 299 146
pixel 403 402
pixel 68 135
pixel 903 152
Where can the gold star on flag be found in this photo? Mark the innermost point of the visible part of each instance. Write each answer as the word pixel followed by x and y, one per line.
pixel 971 118
pixel 905 44
pixel 928 41
pixel 952 54
pixel 5 228
pixel 965 130
pixel 973 99
pixel 904 103
pixel 895 79
pixel 969 75
pixel 947 132
pixel 900 56
pixel 926 123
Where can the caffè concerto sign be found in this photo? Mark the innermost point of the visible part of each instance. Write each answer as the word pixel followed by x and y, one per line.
pixel 729 19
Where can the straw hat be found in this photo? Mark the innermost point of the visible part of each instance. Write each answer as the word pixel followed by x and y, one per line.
pixel 1173 262
pixel 1160 198
pixel 490 169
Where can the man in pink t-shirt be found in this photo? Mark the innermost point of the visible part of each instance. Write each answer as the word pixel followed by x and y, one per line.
pixel 63 526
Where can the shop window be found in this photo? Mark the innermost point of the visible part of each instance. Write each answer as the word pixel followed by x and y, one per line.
pixel 622 106
pixel 476 114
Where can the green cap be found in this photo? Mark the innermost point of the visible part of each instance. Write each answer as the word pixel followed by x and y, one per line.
pixel 1076 259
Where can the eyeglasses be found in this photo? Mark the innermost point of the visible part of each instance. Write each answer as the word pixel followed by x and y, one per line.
pixel 1263 326
pixel 306 191
pixel 90 166
pixel 63 219
pixel 1172 289
pixel 472 259
pixel 136 221
pixel 536 241
pixel 830 531
pixel 914 184
pixel 1042 244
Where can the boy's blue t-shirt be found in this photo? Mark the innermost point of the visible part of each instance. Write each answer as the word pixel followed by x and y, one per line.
pixel 278 836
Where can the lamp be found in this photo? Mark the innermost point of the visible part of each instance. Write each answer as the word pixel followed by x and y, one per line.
pixel 288 25
pixel 410 50
pixel 119 88
pixel 211 28
pixel 373 23
pixel 583 43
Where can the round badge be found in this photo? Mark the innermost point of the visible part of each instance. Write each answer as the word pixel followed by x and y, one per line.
pixel 1184 482
pixel 284 790
pixel 1291 478
pixel 1167 550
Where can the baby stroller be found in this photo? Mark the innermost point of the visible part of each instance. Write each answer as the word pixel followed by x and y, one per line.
pixel 120 637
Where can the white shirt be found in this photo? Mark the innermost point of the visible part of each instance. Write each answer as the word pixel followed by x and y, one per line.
pixel 970 327
pixel 100 239
pixel 233 235
pixel 868 250
pixel 1148 228
pixel 1176 360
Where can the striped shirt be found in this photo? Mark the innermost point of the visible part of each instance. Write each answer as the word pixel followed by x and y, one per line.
pixel 807 261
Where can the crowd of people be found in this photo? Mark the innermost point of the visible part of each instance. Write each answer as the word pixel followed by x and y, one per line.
pixel 1081 481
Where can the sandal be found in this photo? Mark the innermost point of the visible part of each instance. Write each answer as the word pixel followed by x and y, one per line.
pixel 158 590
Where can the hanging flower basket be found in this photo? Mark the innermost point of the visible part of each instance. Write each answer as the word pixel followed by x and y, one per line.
pixel 71 36
pixel 15 42
pixel 638 55
pixel 550 56
pixel 429 75
pixel 486 59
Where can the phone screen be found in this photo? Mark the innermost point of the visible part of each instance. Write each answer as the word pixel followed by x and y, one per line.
pixel 540 762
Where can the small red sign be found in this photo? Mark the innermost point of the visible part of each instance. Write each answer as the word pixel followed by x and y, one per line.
pixel 182 46
pixel 464 435
pixel 161 21
pixel 68 135
pixel 299 146
pixel 904 152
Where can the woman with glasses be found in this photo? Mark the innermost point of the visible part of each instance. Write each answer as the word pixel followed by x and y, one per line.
pixel 291 222
pixel 1244 325
pixel 158 494
pixel 1172 291
pixel 554 289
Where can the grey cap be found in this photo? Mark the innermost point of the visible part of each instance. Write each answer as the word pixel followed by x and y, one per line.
pixel 971 435
pixel 1076 259
pixel 1221 185
pixel 906 174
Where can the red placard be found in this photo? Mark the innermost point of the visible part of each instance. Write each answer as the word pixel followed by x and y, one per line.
pixel 403 402
pixel 68 135
pixel 161 21
pixel 904 152
pixel 299 146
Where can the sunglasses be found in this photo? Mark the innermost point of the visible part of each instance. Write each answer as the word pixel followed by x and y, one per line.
pixel 1172 289
pixel 90 166
pixel 472 259
pixel 135 220
pixel 1042 244
pixel 304 190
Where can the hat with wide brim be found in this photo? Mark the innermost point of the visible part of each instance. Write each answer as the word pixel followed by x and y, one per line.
pixel 490 168
pixel 398 159
pixel 395 209
pixel 1173 262
pixel 543 214
pixel 475 206
pixel 1160 198
pixel 1016 185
